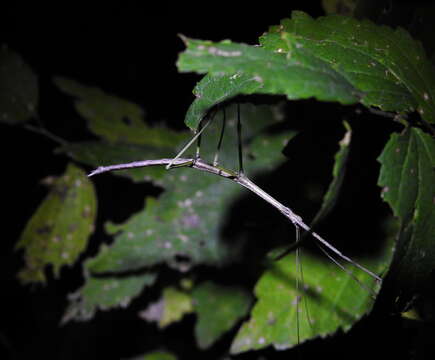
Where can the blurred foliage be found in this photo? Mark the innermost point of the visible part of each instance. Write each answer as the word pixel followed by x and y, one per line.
pixel 59 230
pixel 19 93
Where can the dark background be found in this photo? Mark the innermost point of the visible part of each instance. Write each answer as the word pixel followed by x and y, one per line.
pixel 130 50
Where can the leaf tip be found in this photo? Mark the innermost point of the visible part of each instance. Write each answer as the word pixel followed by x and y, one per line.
pixel 183 38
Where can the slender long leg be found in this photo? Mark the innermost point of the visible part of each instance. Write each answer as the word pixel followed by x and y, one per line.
pixel 191 141
pixel 304 295
pixel 298 296
pixel 224 120
pixel 239 138
pixel 198 141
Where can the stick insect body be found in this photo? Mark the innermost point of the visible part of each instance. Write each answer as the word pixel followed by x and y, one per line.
pixel 238 177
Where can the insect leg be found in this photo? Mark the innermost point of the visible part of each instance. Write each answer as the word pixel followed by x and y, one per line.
pixel 298 297
pixel 224 120
pixel 239 138
pixel 191 141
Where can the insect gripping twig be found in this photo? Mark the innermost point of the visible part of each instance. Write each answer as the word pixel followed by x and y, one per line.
pixel 241 179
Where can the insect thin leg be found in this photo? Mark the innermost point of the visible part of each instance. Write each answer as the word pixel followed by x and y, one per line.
pixel 224 120
pixel 301 274
pixel 239 138
pixel 198 142
pixel 297 288
pixel 191 141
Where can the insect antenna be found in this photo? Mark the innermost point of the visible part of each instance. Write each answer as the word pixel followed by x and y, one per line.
pixel 344 257
pixel 349 273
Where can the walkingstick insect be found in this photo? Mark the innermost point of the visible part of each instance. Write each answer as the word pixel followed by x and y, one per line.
pixel 240 177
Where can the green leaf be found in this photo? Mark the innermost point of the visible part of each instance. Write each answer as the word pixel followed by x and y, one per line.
pixel 328 58
pixel 219 308
pixel 170 308
pixel 59 229
pixel 125 135
pixel 338 172
pixel 212 90
pixel 386 64
pixel 298 76
pixel 408 180
pixel 177 304
pixel 184 227
pixel 114 119
pixel 105 293
pixel 330 300
pixel 18 88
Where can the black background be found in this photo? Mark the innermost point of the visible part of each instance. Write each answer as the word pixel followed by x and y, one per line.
pixel 129 49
